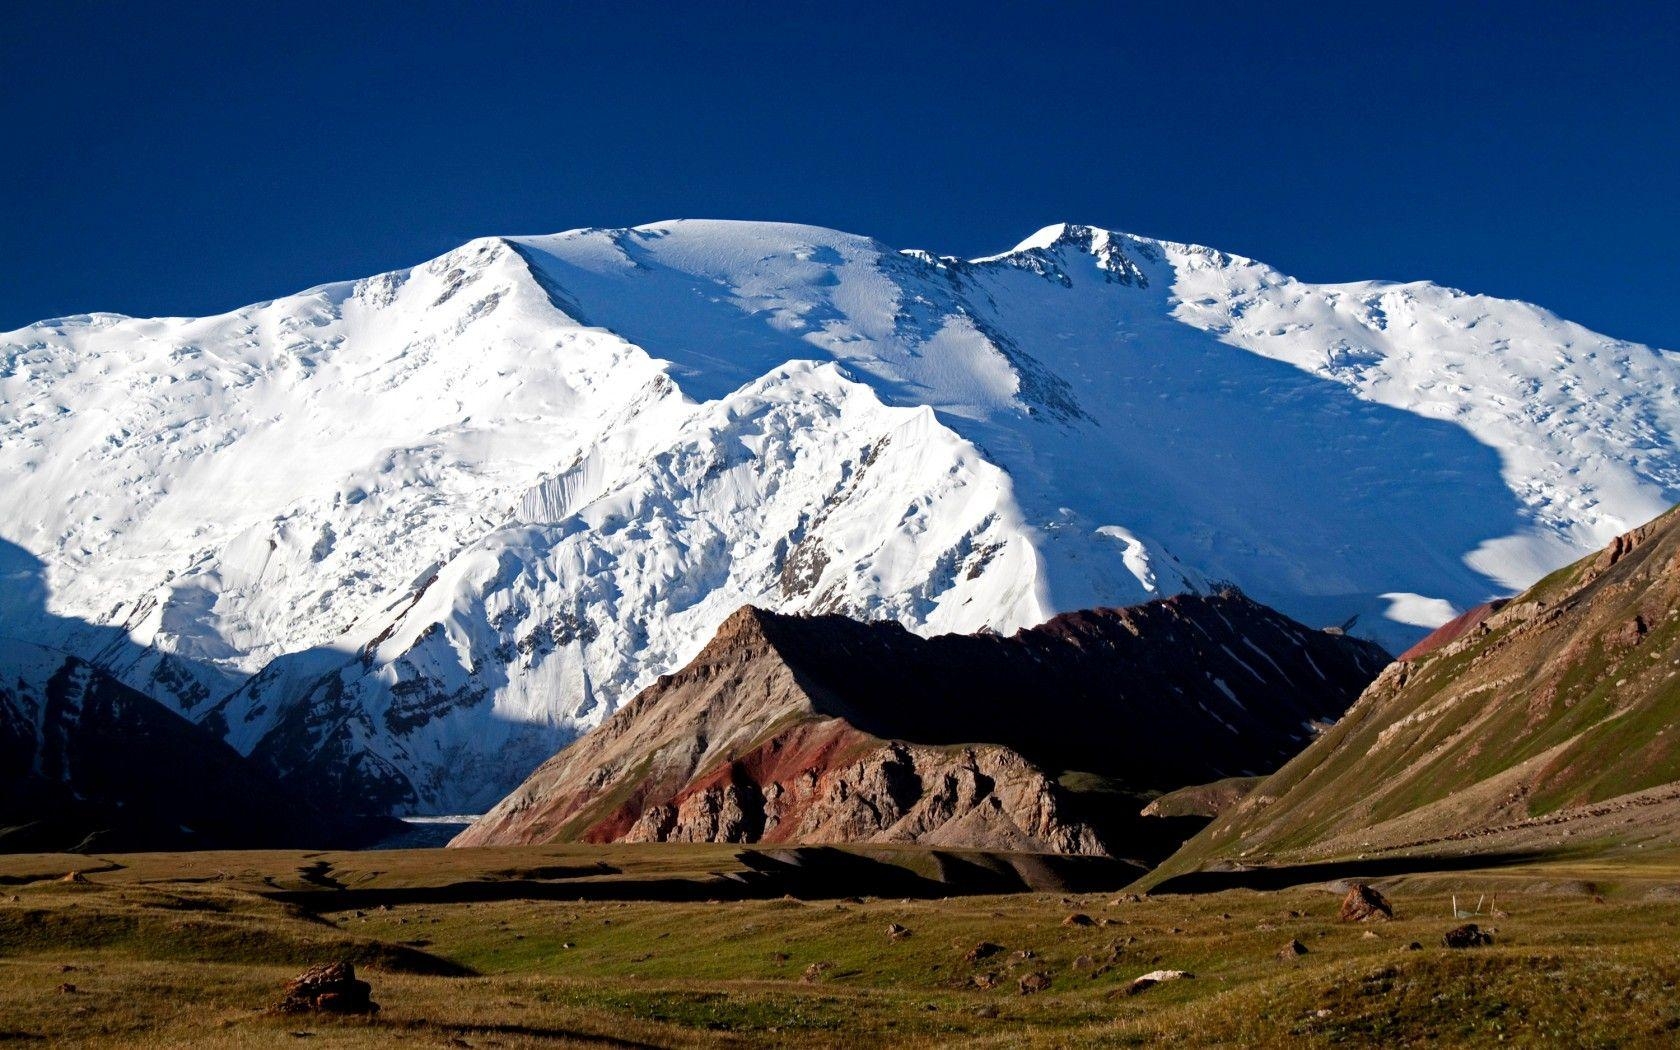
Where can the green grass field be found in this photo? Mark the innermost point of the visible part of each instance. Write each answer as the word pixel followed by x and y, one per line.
pixel 191 949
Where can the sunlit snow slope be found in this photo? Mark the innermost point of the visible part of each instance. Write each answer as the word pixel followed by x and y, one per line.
pixel 409 534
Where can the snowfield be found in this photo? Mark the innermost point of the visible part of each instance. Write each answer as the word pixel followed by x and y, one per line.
pixel 408 535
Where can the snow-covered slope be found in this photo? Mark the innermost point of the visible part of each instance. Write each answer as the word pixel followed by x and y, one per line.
pixel 411 533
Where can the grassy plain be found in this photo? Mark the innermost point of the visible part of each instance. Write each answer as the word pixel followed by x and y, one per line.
pixel 535 947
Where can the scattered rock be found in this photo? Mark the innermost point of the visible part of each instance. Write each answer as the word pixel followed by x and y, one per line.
pixel 1365 904
pixel 67 989
pixel 1155 977
pixel 73 876
pixel 1369 935
pixel 1016 958
pixel 1414 947
pixel 1036 981
pixel 1467 936
pixel 330 987
pixel 1292 950
pixel 988 1010
pixel 897 932
pixel 1084 962
pixel 1078 918
pixel 983 950
pixel 814 972
pixel 984 980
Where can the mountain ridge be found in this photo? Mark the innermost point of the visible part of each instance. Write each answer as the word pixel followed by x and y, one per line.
pixel 602 442
pixel 827 729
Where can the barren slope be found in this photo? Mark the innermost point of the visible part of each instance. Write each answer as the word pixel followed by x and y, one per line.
pixel 823 729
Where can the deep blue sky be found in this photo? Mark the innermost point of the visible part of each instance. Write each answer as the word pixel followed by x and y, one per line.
pixel 182 160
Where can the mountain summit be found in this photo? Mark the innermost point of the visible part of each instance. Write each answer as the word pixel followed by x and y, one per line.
pixel 409 534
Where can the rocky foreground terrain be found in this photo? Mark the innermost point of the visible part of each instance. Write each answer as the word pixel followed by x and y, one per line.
pixel 824 729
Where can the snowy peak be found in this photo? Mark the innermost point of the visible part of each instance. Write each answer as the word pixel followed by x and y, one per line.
pixel 1120 256
pixel 415 531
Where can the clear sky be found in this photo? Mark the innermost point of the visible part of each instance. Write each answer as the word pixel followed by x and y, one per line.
pixel 172 159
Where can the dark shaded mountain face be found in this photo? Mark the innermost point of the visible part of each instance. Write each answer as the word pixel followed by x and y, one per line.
pixel 88 763
pixel 825 729
pixel 1525 724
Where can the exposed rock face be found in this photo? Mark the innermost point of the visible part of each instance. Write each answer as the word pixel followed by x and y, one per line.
pixel 1544 717
pixel 893 792
pixel 823 729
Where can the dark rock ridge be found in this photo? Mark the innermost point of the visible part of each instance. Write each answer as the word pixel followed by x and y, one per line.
pixel 824 729
pixel 1531 725
pixel 88 763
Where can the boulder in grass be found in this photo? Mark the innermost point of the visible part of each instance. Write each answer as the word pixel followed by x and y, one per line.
pixel 1155 977
pixel 327 988
pixel 1292 951
pixel 1467 936
pixel 1364 904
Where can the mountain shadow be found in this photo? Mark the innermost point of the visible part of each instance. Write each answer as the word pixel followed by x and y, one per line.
pixel 90 763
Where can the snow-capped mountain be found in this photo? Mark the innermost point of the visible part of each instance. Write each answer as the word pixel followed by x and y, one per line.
pixel 409 534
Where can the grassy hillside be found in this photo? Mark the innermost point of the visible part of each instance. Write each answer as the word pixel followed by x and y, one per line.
pixel 1563 705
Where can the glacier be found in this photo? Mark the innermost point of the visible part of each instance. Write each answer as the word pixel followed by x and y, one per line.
pixel 403 537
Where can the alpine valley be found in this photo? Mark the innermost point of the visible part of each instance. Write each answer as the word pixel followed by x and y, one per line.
pixel 398 540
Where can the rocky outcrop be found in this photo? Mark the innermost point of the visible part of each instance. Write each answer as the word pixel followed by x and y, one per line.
pixel 894 792
pixel 329 988
pixel 824 729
